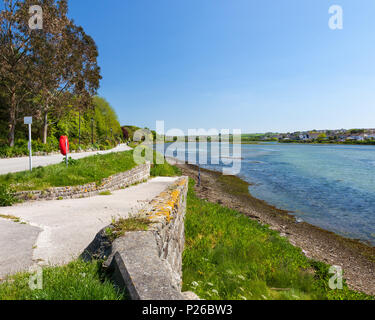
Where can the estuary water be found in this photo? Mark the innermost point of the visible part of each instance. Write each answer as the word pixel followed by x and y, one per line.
pixel 330 186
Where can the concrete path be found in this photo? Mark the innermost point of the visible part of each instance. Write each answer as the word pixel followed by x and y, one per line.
pixel 22 164
pixel 57 232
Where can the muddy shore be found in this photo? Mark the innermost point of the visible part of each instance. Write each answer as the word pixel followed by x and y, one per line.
pixel 356 259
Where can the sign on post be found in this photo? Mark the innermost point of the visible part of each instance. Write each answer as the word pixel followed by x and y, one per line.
pixel 29 122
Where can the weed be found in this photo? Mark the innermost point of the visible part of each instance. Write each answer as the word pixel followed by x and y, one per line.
pixel 121 226
pixel 6 196
pixel 105 193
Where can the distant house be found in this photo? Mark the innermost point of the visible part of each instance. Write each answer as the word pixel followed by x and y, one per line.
pixel 313 135
pixel 356 138
pixel 304 137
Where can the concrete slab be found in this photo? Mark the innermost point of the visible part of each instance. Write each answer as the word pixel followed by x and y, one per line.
pixel 16 244
pixel 69 226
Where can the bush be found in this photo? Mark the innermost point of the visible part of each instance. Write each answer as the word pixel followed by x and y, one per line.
pixel 6 196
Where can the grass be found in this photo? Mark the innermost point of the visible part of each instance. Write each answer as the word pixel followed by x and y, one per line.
pixel 231 257
pixel 164 170
pixel 121 226
pixel 76 281
pixel 6 196
pixel 10 217
pixel 83 171
pixel 105 193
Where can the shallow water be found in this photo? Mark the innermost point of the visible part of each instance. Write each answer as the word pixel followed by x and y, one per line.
pixel 330 186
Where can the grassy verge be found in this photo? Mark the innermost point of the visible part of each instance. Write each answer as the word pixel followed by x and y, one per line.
pixel 76 281
pixel 229 256
pixel 86 170
pixel 164 170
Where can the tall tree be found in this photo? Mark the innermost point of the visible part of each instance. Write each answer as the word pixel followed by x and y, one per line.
pixel 17 67
pixel 48 65
pixel 70 66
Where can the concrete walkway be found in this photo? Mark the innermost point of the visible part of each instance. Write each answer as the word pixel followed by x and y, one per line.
pixel 22 164
pixel 57 232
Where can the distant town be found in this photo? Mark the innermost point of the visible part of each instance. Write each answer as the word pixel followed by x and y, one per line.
pixel 319 136
pixel 340 136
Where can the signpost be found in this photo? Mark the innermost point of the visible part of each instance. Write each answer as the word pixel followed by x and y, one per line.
pixel 67 151
pixel 29 121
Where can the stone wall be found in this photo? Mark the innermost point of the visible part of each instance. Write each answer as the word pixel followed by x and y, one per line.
pixel 149 263
pixel 167 212
pixel 115 182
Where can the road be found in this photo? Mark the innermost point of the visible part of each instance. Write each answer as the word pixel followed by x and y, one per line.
pixel 56 232
pixel 22 164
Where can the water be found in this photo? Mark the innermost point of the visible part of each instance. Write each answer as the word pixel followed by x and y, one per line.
pixel 330 186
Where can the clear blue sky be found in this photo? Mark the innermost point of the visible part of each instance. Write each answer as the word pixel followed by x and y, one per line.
pixel 257 65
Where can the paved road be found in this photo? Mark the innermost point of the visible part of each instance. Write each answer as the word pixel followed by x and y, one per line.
pixel 58 231
pixel 22 164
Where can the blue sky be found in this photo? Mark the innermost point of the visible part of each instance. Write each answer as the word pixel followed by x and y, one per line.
pixel 256 65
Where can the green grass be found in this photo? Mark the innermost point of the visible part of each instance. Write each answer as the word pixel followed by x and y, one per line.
pixel 121 226
pixel 164 170
pixel 6 196
pixel 10 217
pixel 87 170
pixel 76 281
pixel 230 257
pixel 105 193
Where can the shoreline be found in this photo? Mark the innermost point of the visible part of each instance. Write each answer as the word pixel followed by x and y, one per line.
pixel 355 257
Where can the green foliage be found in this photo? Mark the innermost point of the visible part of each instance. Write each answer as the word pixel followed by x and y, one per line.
pixel 105 119
pixel 71 161
pixel 76 281
pixel 129 131
pixel 322 137
pixel 229 256
pixel 86 170
pixel 6 196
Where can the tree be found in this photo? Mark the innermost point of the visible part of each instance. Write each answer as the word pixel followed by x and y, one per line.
pixel 322 137
pixel 106 119
pixel 17 67
pixel 43 69
pixel 67 63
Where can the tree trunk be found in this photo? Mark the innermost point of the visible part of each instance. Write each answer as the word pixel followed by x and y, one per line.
pixel 79 128
pixel 45 128
pixel 12 120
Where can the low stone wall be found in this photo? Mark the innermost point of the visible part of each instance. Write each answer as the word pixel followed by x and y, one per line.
pixel 115 182
pixel 167 212
pixel 149 263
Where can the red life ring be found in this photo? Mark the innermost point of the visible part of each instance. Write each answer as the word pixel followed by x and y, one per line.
pixel 64 145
